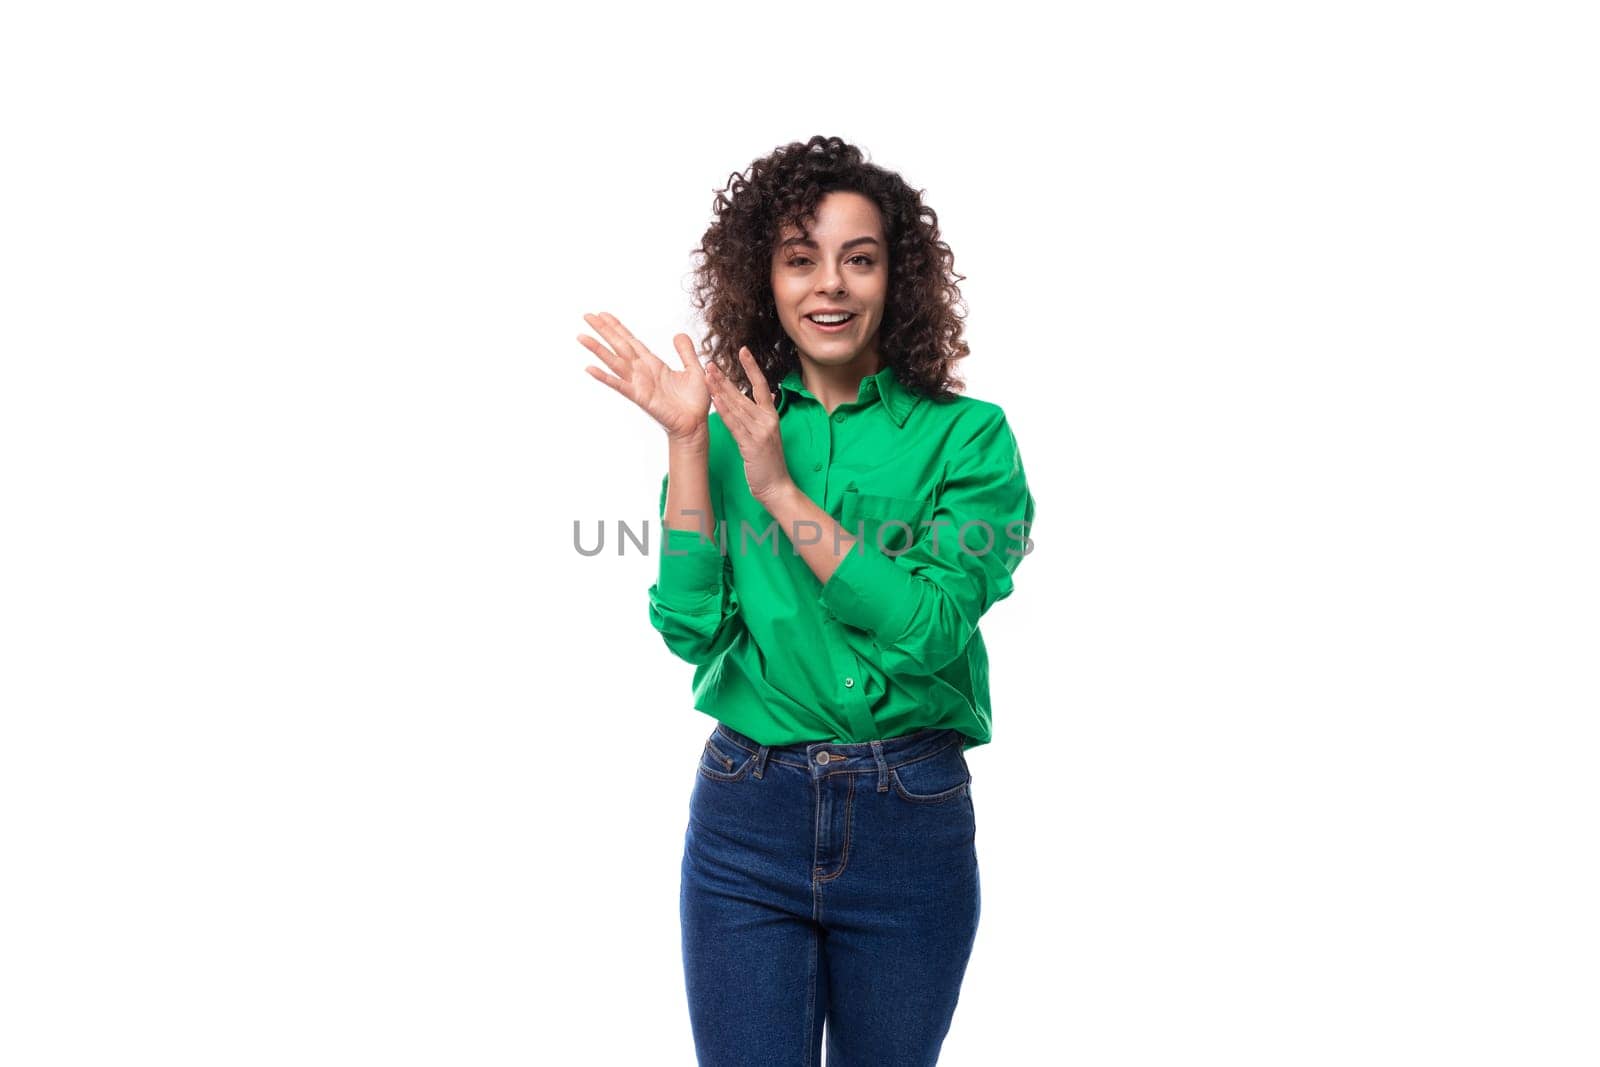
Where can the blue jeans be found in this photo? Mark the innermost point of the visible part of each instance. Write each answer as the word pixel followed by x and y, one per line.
pixel 828 882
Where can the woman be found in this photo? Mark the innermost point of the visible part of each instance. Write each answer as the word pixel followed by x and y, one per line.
pixel 830 544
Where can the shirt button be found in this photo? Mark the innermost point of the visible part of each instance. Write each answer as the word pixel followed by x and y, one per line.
pixel 848 682
pixel 816 466
pixel 822 758
pixel 839 417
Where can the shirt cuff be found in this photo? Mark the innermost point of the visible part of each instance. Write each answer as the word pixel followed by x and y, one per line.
pixel 869 591
pixel 690 568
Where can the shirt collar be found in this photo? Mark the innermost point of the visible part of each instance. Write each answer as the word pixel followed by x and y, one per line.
pixel 896 398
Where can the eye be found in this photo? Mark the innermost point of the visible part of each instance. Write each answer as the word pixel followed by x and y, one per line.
pixel 865 259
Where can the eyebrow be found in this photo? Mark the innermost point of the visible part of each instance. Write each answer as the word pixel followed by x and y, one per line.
pixel 806 242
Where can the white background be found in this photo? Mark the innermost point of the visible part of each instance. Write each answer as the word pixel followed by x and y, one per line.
pixel 322 745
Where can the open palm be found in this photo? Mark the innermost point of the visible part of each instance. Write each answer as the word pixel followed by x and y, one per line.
pixel 677 399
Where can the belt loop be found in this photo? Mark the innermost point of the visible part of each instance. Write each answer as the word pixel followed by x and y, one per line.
pixel 883 767
pixel 761 759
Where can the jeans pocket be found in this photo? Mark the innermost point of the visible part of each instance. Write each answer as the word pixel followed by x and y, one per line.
pixel 934 779
pixel 723 761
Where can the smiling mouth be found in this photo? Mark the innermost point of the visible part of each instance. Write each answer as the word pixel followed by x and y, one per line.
pixel 830 325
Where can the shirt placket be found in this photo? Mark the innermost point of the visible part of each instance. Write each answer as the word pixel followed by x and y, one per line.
pixel 846 677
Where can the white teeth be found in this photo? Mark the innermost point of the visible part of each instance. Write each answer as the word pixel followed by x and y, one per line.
pixel 829 320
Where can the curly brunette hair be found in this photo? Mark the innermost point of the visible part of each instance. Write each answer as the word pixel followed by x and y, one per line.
pixel 920 337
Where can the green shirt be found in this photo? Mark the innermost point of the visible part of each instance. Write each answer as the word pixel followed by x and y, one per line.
pixel 890 644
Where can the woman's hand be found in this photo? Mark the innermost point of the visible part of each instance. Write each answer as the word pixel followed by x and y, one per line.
pixel 677 399
pixel 754 425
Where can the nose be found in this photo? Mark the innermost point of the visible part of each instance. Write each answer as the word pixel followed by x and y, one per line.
pixel 830 282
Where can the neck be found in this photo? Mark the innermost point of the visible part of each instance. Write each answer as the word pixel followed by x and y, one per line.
pixel 840 384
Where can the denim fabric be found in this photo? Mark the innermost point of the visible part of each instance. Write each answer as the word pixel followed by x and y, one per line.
pixel 831 884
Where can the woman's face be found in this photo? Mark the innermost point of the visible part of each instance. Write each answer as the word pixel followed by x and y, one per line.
pixel 843 265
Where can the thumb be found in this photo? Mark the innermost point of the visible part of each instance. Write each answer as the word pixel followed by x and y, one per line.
pixel 691 359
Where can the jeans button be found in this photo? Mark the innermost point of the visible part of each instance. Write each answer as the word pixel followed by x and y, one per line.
pixel 822 758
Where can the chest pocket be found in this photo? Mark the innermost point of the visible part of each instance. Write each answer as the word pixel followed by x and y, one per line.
pixel 881 517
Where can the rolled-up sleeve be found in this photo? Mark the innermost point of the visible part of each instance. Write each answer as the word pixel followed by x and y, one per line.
pixel 692 603
pixel 922 606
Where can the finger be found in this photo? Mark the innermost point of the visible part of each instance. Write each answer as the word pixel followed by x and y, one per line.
pixel 617 363
pixel 726 398
pixel 599 327
pixel 606 326
pixel 758 381
pixel 635 346
pixel 716 384
pixel 616 383
pixel 616 324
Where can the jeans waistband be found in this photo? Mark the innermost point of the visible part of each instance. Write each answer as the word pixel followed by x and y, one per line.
pixel 832 757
